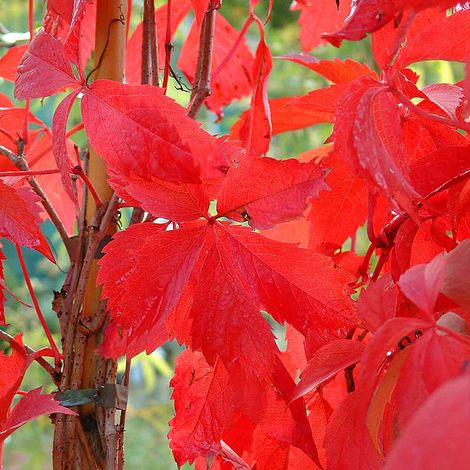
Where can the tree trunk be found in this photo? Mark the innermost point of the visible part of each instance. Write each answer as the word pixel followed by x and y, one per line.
pixel 92 440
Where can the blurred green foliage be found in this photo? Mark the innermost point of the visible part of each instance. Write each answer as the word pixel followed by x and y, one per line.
pixel 150 407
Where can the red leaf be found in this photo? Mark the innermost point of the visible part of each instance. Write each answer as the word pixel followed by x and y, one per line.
pixel 436 168
pixel 368 135
pixel 438 427
pixel 456 281
pixel 202 411
pixel 59 128
pixel 266 191
pixel 10 61
pixel 229 323
pixel 422 283
pixel 335 70
pixel 178 202
pixel 73 40
pixel 140 292
pixel 278 275
pixel 257 129
pixel 434 359
pixel 19 219
pixel 156 138
pixel 234 81
pixel 337 214
pixel 12 371
pixel 44 70
pixel 318 17
pixel 383 40
pixel 370 15
pixel 347 441
pixel 425 47
pixel 200 7
pixel 31 406
pixel 326 363
pixel 378 303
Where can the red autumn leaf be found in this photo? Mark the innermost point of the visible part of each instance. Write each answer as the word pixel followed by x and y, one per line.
pixel 44 69
pixel 229 324
pixel 436 168
pixel 438 427
pixel 425 47
pixel 202 411
pixel 256 131
pixel 200 7
pixel 422 283
pixel 326 363
pixel 266 192
pixel 347 441
pixel 456 282
pixel 59 128
pixel 10 61
pixel 368 136
pixel 235 80
pixel 179 251
pixel 378 302
pixel 155 136
pixel 417 380
pixel 383 40
pixel 413 245
pixel 81 13
pixel 179 9
pixel 19 219
pixel 335 70
pixel 337 214
pixel 370 15
pixel 318 17
pixel 32 404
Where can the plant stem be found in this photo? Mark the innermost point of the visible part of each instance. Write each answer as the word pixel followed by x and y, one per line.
pixel 57 355
pixel 149 70
pixel 168 46
pixel 202 80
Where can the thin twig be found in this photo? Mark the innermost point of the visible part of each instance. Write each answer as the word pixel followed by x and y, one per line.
pixel 425 114
pixel 40 360
pixel 23 174
pixel 168 46
pixel 202 78
pixel 57 357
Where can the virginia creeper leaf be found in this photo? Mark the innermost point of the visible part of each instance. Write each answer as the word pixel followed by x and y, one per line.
pixel 44 69
pixel 434 427
pixel 155 136
pixel 19 219
pixel 269 191
pixel 327 362
pixel 59 128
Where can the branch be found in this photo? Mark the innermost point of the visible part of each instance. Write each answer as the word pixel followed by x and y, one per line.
pixel 202 80
pixel 149 70
pixel 20 162
pixel 98 229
